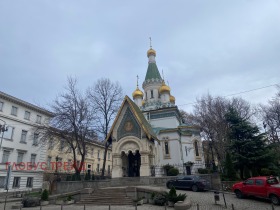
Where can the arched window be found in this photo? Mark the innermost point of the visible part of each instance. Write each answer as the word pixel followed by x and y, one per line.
pixel 166 148
pixel 196 148
pixel 152 94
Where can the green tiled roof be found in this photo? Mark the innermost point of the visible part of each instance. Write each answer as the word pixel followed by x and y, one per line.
pixel 152 72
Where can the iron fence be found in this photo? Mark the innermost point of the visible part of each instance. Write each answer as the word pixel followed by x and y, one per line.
pixel 127 207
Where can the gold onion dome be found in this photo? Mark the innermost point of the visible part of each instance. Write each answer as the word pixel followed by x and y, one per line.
pixel 164 88
pixel 137 93
pixel 151 51
pixel 172 99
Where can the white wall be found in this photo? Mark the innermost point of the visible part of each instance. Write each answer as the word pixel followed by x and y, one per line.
pixel 14 145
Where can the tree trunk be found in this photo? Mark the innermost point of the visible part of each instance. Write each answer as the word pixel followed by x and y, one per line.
pixel 104 159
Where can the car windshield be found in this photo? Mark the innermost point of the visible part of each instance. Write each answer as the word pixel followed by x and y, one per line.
pixel 272 181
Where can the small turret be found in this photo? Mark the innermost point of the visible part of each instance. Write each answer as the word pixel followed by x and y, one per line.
pixel 138 95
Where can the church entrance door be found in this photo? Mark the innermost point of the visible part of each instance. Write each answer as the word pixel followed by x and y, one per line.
pixel 133 163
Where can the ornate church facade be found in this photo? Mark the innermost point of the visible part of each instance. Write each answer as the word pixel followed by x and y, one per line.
pixel 149 133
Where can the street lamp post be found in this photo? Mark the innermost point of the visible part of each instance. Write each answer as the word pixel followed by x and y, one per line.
pixel 3 128
pixel 56 160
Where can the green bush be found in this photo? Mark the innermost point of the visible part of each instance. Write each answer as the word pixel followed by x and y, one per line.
pixel 45 195
pixel 69 198
pixel 153 195
pixel 203 171
pixel 160 200
pixel 173 197
pixel 167 167
pixel 68 178
pixel 173 172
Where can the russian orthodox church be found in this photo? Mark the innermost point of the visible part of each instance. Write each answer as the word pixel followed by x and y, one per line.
pixel 149 132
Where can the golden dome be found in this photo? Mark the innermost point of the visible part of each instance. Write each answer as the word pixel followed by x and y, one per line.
pixel 137 93
pixel 164 88
pixel 172 99
pixel 143 102
pixel 151 51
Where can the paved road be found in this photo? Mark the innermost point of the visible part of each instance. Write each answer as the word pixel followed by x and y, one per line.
pixel 204 199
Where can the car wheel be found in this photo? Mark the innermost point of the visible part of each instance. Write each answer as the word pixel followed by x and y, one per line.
pixel 194 188
pixel 238 194
pixel 274 199
pixel 169 185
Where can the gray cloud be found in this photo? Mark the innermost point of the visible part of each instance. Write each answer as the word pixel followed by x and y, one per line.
pixel 220 47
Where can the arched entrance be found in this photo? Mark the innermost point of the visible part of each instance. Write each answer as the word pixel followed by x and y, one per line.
pixel 131 163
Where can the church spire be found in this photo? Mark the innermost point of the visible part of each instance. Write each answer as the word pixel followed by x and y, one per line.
pixel 152 71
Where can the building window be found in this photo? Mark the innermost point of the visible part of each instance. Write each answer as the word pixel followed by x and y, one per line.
pixel 97 167
pixel 33 159
pixel 109 155
pixel 166 148
pixel 146 95
pixel 2 181
pixel 109 169
pixel 23 136
pixel 49 160
pixel 14 111
pixel 98 154
pixel 39 119
pixel 61 145
pixel 27 115
pixel 1 108
pixel 35 139
pixel 186 150
pixel 196 148
pixel 20 157
pixel 92 152
pixel 9 133
pixel 29 182
pixel 5 157
pixel 16 182
pixel 69 164
pixel 152 94
pixel 51 144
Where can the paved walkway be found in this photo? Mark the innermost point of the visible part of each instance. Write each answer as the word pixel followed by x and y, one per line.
pixel 204 199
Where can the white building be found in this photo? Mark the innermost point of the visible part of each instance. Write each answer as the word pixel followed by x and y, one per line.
pixel 149 132
pixel 20 143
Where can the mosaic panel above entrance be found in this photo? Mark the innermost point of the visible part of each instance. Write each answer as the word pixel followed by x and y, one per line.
pixel 129 126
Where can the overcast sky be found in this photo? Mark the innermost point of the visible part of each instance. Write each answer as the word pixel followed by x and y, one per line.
pixel 220 47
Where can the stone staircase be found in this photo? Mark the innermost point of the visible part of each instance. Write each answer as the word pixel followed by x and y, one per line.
pixel 107 196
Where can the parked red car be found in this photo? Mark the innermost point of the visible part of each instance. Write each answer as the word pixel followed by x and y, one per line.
pixel 261 186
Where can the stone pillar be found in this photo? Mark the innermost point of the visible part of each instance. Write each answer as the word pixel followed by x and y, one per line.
pixel 145 166
pixel 117 166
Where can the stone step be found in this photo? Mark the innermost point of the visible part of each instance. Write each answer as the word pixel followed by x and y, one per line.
pixel 107 203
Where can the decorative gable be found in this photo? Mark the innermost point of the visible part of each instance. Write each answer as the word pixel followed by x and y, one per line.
pixel 128 126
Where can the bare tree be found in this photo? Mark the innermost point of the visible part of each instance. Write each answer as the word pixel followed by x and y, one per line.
pixel 209 114
pixel 73 122
pixel 106 98
pixel 270 115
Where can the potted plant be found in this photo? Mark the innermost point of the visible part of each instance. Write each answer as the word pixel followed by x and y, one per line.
pixel 59 201
pixel 45 198
pixel 189 163
pixel 171 197
pixel 69 200
pixel 151 199
pixel 138 201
